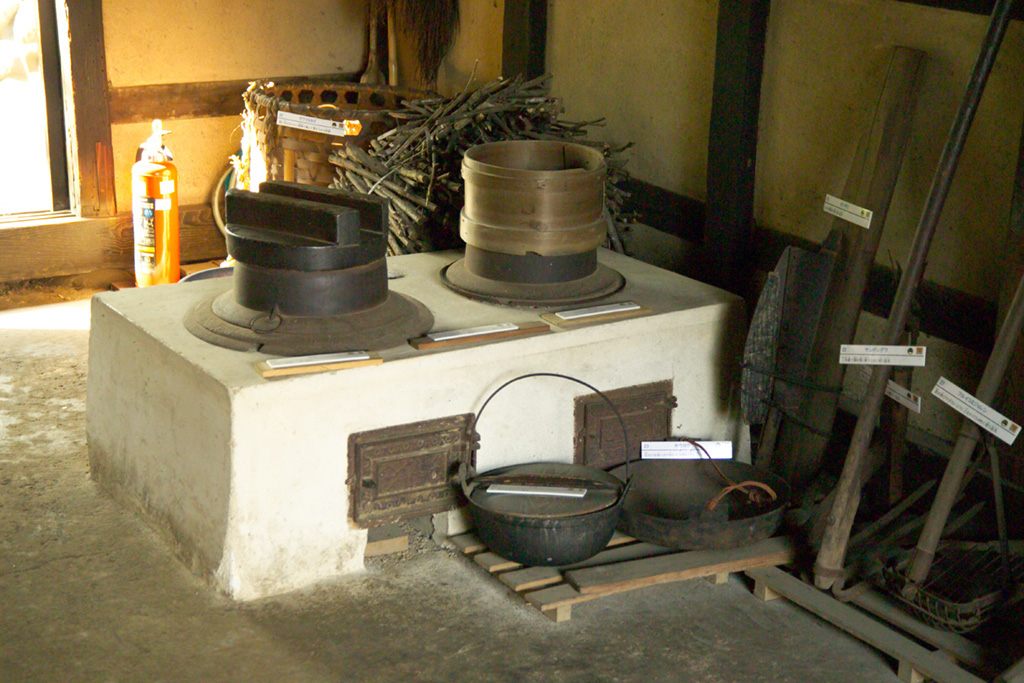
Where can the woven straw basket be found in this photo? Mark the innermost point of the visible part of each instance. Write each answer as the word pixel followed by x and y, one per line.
pixel 356 114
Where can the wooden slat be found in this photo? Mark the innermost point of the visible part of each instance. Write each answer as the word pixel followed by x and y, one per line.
pixel 562 595
pixel 131 104
pixel 68 246
pixel 679 567
pixel 467 543
pixel 494 563
pixel 596 319
pixel 862 627
pixel 1015 674
pixel 534 577
pixel 524 38
pixel 522 330
pixel 269 373
pixel 88 87
pixel 531 578
pixel 963 649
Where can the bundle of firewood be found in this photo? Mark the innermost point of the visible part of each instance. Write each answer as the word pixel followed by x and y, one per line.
pixel 417 165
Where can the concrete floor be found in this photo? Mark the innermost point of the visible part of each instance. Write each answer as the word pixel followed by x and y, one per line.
pixel 89 592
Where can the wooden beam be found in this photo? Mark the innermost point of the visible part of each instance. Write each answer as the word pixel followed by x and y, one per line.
pixel 524 38
pixel 87 106
pixel 69 246
pixel 49 48
pixel 947 313
pixel 132 104
pixel 732 142
pixel 862 627
pixel 665 210
pixel 969 6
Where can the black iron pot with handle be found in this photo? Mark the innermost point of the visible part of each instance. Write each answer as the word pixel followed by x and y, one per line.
pixel 545 530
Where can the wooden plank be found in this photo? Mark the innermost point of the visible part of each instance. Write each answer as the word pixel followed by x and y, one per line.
pixel 67 245
pixel 596 319
pixel 524 38
pixel 969 6
pixel 522 330
pixel 87 105
pixel 562 595
pixel 732 141
pixel 494 563
pixel 679 567
pixel 387 546
pixel 132 104
pixel 870 183
pixel 862 627
pixel 268 373
pixel 469 544
pixel 531 578
pixel 1015 674
pixel 719 579
pixel 963 649
pixel 664 210
pixel 534 577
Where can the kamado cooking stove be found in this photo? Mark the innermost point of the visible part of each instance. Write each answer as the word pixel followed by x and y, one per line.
pixel 268 485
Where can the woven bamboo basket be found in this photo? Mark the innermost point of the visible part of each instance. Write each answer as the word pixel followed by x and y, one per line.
pixel 354 112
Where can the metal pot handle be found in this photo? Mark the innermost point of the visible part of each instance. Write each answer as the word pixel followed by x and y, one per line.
pixel 464 470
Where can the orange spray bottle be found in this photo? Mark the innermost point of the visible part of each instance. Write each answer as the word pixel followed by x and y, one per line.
pixel 155 212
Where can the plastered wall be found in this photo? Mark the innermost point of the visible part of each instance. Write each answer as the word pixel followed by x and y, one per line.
pixel 824 66
pixel 647 68
pixel 197 40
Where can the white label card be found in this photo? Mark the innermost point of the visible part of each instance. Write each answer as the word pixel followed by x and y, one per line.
pixel 847 211
pixel 905 397
pixel 901 395
pixel 577 313
pixel 997 424
pixel 866 354
pixel 684 450
pixel 472 331
pixel 166 187
pixel 313 124
pixel 527 490
pixel 318 359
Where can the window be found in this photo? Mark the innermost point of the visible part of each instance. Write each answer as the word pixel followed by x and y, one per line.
pixel 33 165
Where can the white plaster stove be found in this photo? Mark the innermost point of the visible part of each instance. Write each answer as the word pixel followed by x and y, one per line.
pixel 248 476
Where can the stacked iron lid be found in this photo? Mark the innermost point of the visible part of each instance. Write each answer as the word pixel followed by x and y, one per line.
pixel 532 222
pixel 310 276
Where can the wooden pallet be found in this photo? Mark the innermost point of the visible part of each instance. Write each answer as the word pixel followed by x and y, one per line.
pixel 625 565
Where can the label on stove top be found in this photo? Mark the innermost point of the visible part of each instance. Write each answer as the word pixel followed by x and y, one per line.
pixel 604 309
pixel 992 421
pixel 317 359
pixel 847 211
pixel 684 450
pixel 472 331
pixel 866 354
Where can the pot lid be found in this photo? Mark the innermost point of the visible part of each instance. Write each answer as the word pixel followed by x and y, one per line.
pixel 537 479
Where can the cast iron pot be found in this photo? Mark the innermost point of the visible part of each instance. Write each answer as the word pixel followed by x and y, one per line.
pixel 540 530
pixel 667 505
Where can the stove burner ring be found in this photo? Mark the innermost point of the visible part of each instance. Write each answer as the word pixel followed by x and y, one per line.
pixel 219 319
pixel 310 276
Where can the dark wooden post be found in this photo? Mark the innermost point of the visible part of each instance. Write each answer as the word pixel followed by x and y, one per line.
pixel 732 144
pixel 524 38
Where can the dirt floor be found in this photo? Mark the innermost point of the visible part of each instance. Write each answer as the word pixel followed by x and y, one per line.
pixel 89 592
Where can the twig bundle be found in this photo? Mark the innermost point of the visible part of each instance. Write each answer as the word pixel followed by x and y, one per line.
pixel 418 164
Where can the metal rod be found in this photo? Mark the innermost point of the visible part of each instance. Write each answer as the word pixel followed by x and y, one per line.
pixel 959 459
pixel 997 495
pixel 828 567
